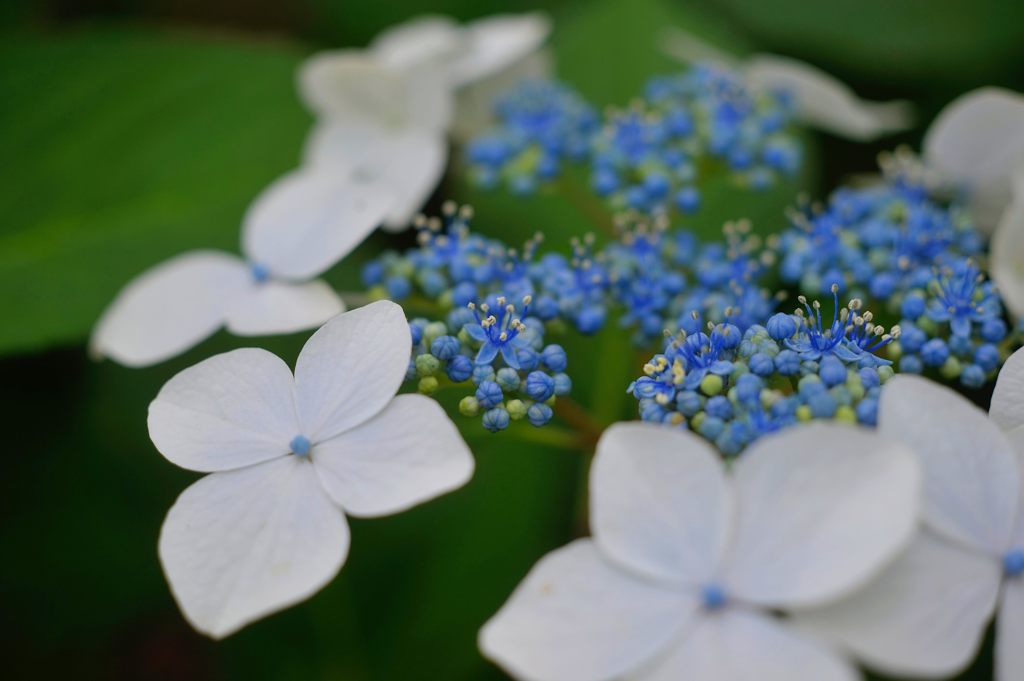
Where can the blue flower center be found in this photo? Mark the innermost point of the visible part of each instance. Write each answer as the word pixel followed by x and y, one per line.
pixel 300 445
pixel 259 272
pixel 713 597
pixel 1013 563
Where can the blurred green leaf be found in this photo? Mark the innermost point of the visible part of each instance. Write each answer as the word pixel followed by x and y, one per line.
pixel 123 148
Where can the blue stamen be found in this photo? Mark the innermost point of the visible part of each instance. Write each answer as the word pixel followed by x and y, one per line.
pixel 1013 563
pixel 300 445
pixel 713 597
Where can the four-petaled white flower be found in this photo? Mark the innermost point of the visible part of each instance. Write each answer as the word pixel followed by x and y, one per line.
pixel 926 613
pixel 296 229
pixel 977 144
pixel 688 560
pixel 820 100
pixel 289 456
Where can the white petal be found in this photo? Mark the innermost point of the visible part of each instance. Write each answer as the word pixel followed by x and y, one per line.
pixel 409 161
pixel 498 41
pixel 824 102
pixel 821 509
pixel 351 368
pixel 1006 252
pixel 274 307
pixel 688 48
pixel 923 617
pixel 169 308
pixel 407 454
pixel 660 504
pixel 577 618
pixel 425 38
pixel 474 103
pixel 239 545
pixel 1010 632
pixel 351 85
pixel 737 645
pixel 310 219
pixel 1007 408
pixel 231 410
pixel 978 142
pixel 969 468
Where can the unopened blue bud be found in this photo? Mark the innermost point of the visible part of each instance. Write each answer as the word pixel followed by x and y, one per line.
pixel 508 379
pixel 781 326
pixel 911 364
pixel 935 352
pixel 489 394
pixel 972 376
pixel 459 368
pixel 495 419
pixel 554 358
pixel 482 372
pixel 762 364
pixel 539 414
pixel 687 200
pixel 832 371
pixel 445 347
pixel 540 386
pixel 563 384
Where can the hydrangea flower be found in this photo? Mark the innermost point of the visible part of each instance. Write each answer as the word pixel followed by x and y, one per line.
pixel 926 614
pixel 818 99
pixel 977 144
pixel 688 560
pixel 289 456
pixel 1006 254
pixel 380 122
pixel 295 230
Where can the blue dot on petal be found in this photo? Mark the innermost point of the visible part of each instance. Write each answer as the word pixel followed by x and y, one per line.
pixel 1013 563
pixel 713 597
pixel 300 445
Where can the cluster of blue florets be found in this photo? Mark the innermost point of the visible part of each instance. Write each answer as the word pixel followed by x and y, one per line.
pixel 542 125
pixel 651 275
pixel 649 157
pixel 499 351
pixel 732 386
pixel 914 260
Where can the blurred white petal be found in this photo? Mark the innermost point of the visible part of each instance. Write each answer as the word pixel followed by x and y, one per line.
pixel 821 509
pixel 273 307
pixel 969 468
pixel 577 618
pixel 354 86
pixel 824 102
pixel 1007 407
pixel 496 42
pixel 309 219
pixel 427 38
pixel 977 141
pixel 689 48
pixel 923 617
pixel 474 110
pixel 408 161
pixel 1006 252
pixel 735 645
pixel 660 503
pixel 1009 655
pixel 169 308
pixel 407 454
pixel 351 368
pixel 239 545
pixel 231 410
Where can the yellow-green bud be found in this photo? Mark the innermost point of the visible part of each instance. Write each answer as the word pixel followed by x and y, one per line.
pixel 469 406
pixel 711 385
pixel 427 365
pixel 516 409
pixel 428 385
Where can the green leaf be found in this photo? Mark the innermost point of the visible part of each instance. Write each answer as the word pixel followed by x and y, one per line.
pixel 123 148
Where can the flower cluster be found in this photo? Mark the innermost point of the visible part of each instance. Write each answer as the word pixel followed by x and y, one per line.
pixel 500 351
pixel 732 387
pixel 542 124
pixel 650 156
pixel 914 259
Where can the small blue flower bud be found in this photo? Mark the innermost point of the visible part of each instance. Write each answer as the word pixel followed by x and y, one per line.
pixel 410 371
pixel 605 182
pixel 687 200
pixel 398 287
pixel 913 306
pixel 495 419
pixel 987 356
pixel 935 352
pixel 832 371
pixel 822 405
pixel 972 376
pixel 781 326
pixel 539 386
pixel 911 364
pixel 489 394
pixel 689 403
pixel 787 363
pixel 554 358
pixel 416 329
pixel 591 319
pixel 529 359
pixel 719 407
pixel 538 414
pixel 508 379
pixel 993 330
pixel 373 273
pixel 867 411
pixel 748 389
pixel 445 347
pixel 869 378
pixel 459 368
pixel 563 384
pixel 482 372
pixel 762 364
pixel 463 294
pixel 656 186
pixel 711 427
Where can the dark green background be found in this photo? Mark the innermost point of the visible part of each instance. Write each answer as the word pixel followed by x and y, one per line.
pixel 133 130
